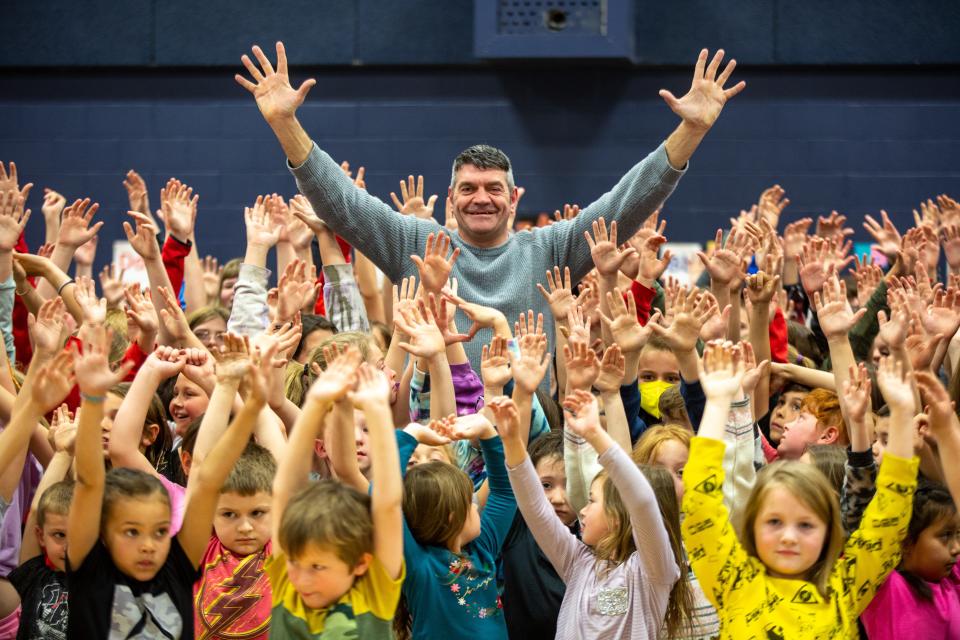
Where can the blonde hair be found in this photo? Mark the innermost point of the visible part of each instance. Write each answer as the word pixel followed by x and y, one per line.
pixel 205 314
pixel 808 485
pixel 299 377
pixel 652 440
pixel 436 488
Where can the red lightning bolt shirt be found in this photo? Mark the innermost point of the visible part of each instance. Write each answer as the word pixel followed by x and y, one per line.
pixel 232 598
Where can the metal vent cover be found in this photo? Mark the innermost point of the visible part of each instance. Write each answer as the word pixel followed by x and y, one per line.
pixel 562 29
pixel 584 17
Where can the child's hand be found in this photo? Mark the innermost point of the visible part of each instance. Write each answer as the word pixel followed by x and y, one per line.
pixel 894 385
pixel 480 315
pixel 560 296
pixel 436 265
pixel 199 368
pixel 332 384
pixel 525 327
pixel 691 310
pixel 856 393
pixel 472 427
pixel 172 315
pixel 583 366
pixel 46 327
pixel 441 313
pixel 63 430
pixel 372 389
pixel 426 340
pixel 752 370
pixel 833 310
pixel 940 410
pixel 436 434
pixel 144 239
pixel 233 361
pixel 255 382
pixel 507 416
pixel 606 255
pixel 92 366
pixel 529 368
pixel 75 228
pixel 722 370
pixel 893 331
pixel 167 362
pixel 111 283
pixel 623 324
pixel 140 309
pixel 582 413
pixel 53 383
pixel 762 287
pixel 494 364
pixel 262 231
pixel 295 289
pixel 611 370
pixel 94 308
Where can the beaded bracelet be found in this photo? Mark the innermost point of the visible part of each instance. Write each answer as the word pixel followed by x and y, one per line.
pixel 93 399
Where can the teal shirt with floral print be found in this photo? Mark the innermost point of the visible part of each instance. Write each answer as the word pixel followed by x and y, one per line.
pixel 452 595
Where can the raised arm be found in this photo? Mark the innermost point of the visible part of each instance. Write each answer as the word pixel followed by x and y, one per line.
pixel 94 377
pixel 372 396
pixel 208 476
pixel 944 426
pixel 349 210
pixel 294 467
pixel 644 188
pixel 124 448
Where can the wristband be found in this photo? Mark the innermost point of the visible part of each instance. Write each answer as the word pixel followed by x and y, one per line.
pixel 70 281
pixel 93 399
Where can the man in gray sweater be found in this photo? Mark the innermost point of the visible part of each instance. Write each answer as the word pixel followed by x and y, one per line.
pixel 495 268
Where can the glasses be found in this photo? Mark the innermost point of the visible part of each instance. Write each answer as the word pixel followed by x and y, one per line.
pixel 206 336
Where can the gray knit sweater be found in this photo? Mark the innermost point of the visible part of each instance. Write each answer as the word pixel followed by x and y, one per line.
pixel 502 277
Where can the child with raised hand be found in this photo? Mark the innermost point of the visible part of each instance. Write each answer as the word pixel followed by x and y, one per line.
pixel 232 596
pixel 127 575
pixel 449 548
pixel 921 598
pixel 619 578
pixel 40 580
pixel 787 578
pixel 337 560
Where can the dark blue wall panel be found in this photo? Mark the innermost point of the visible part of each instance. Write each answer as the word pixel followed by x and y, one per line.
pixel 440 32
pixel 849 140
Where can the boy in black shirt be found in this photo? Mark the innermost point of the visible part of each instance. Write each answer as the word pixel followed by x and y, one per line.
pixel 40 579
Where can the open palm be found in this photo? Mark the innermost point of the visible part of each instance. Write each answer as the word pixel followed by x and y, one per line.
pixel 702 104
pixel 276 98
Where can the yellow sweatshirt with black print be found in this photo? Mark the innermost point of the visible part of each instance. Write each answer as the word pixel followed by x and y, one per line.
pixel 754 606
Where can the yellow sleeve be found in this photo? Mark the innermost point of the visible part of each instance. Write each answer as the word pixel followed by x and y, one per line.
pixel 873 550
pixel 719 562
pixel 378 592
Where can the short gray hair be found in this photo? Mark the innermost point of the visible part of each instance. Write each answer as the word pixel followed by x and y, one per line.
pixel 482 156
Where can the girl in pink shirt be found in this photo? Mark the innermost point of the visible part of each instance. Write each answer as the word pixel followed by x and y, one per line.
pixel 921 599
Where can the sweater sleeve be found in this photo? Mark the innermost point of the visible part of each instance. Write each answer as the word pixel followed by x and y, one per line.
pixel 354 214
pixel 738 459
pixel 342 299
pixel 501 505
pixel 581 466
pixel 873 550
pixel 644 299
pixel 250 314
pixel 174 254
pixel 7 300
pixel 630 397
pixel 649 531
pixel 135 355
pixel 859 485
pixel 863 333
pixel 552 536
pixel 715 553
pixel 638 194
pixel 694 401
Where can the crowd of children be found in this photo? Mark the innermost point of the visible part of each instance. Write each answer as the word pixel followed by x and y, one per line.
pixel 507 432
